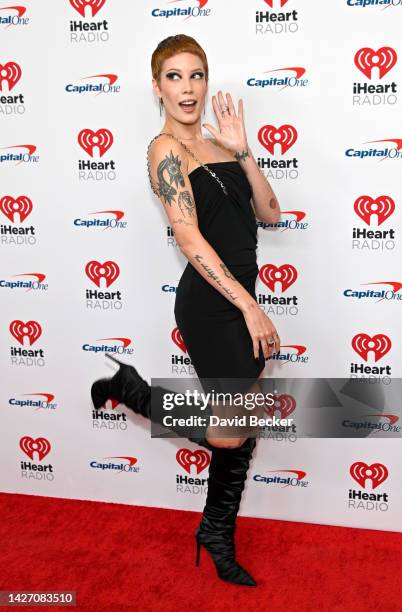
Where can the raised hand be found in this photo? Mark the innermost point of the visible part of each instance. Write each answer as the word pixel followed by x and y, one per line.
pixel 232 133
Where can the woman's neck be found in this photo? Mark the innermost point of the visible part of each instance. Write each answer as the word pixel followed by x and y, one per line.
pixel 184 132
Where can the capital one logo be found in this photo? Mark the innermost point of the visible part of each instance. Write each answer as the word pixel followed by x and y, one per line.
pixel 187 458
pixel 40 446
pixel 271 3
pixel 384 59
pixel 96 271
pixel 285 403
pixel 285 275
pixel 94 5
pixel 379 344
pixel 10 206
pixel 366 208
pixel 88 140
pixel 31 330
pixel 361 472
pixel 178 340
pixel 285 136
pixel 11 73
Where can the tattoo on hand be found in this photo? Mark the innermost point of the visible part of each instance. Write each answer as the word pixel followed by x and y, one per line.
pixel 241 155
pixel 171 164
pixel 213 275
pixel 227 272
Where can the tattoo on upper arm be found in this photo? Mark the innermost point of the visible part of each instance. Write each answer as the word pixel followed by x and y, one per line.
pixel 273 203
pixel 186 201
pixel 171 165
pixel 213 275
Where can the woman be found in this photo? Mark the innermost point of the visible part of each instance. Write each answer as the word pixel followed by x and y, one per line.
pixel 227 335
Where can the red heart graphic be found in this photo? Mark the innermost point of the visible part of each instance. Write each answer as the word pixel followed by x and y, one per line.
pixel 376 472
pixel 186 458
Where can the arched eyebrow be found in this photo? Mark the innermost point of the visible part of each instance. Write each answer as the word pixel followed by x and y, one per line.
pixel 179 70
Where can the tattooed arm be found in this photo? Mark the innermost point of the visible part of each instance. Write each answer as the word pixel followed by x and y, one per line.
pixel 266 206
pixel 168 168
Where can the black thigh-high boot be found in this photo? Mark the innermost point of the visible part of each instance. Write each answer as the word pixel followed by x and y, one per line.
pixel 227 476
pixel 130 389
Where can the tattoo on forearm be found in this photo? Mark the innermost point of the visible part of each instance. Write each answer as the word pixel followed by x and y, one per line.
pixel 213 275
pixel 273 203
pixel 186 203
pixel 182 221
pixel 226 271
pixel 241 155
pixel 171 165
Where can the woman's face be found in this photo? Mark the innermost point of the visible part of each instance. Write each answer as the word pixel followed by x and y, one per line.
pixel 182 79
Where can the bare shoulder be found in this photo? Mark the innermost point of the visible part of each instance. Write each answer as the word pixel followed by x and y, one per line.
pixel 167 151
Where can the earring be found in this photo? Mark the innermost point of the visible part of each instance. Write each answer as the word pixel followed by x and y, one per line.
pixel 204 110
pixel 160 106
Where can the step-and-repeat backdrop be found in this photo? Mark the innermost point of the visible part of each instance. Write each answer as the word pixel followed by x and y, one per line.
pixel 89 263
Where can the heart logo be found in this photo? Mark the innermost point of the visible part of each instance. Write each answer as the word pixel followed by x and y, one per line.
pixel 285 403
pixel 380 344
pixel 29 445
pixel 271 3
pixel 366 207
pixel 88 139
pixel 366 59
pixel 95 5
pixel 10 206
pixel 178 340
pixel 376 472
pixel 31 329
pixel 269 136
pixel 286 274
pixel 186 458
pixel 10 72
pixel 108 270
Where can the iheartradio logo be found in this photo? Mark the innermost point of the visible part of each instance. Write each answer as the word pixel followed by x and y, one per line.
pixel 178 340
pixel 91 6
pixel 88 140
pixel 10 73
pixel 361 472
pixel 368 208
pixel 272 2
pixel 283 403
pixel 384 59
pixel 20 330
pixel 11 207
pixel 379 345
pixel 30 446
pixel 285 136
pixel 187 458
pixel 285 275
pixel 108 271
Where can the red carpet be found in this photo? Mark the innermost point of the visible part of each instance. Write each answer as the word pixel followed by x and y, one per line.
pixel 123 558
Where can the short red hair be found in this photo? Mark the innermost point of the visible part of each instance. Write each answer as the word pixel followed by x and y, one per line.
pixel 180 43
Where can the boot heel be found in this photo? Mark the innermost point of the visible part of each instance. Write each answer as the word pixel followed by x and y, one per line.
pixel 197 560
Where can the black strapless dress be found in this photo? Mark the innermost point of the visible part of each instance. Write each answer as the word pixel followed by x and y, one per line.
pixel 212 327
